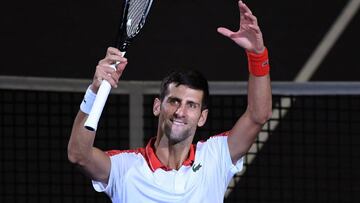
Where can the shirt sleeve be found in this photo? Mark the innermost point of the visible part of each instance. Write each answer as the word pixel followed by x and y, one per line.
pixel 115 176
pixel 233 168
pixel 220 154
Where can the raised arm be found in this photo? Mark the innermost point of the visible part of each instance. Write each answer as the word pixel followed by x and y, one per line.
pixel 92 161
pixel 258 111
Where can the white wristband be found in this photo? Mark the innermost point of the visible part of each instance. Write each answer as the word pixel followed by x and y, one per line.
pixel 88 101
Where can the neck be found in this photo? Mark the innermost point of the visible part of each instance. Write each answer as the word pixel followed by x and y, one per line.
pixel 172 155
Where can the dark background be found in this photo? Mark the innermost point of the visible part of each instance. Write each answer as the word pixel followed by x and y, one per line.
pixel 67 38
pixel 312 156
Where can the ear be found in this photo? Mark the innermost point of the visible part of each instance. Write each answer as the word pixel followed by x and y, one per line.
pixel 203 117
pixel 156 106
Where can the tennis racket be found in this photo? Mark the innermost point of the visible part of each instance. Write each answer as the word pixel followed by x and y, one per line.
pixel 133 19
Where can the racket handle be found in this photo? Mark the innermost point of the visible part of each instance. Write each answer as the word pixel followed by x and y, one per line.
pixel 92 121
pixel 98 106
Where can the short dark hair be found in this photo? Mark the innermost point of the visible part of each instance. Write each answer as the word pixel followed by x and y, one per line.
pixel 191 78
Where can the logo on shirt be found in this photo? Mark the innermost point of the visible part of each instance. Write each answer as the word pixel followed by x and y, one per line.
pixel 265 63
pixel 196 167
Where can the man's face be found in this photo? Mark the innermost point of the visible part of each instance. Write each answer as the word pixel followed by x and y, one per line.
pixel 180 112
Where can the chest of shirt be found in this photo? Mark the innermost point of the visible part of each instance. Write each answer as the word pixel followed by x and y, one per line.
pixel 183 180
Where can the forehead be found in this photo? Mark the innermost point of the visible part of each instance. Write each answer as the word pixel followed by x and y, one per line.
pixel 184 92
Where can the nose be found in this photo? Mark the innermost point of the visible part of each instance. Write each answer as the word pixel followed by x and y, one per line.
pixel 180 111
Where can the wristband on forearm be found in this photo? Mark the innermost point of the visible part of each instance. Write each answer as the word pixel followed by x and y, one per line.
pixel 88 101
pixel 258 64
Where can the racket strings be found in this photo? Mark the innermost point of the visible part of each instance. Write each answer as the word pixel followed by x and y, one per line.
pixel 136 16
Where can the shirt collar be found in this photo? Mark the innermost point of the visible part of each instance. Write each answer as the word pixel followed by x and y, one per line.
pixel 155 163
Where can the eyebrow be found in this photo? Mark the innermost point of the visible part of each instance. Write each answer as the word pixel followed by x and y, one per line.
pixel 192 102
pixel 173 98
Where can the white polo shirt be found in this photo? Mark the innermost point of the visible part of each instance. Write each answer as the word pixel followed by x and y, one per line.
pixel 139 176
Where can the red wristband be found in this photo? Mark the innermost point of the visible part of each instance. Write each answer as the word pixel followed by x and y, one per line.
pixel 258 64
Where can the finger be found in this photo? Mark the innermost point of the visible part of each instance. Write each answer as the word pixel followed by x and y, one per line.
pixel 116 58
pixel 98 78
pixel 108 76
pixel 113 51
pixel 102 72
pixel 224 31
pixel 121 67
pixel 251 18
pixel 119 70
pixel 112 59
pixel 242 12
pixel 243 8
pixel 113 81
pixel 115 73
pixel 108 60
pixel 108 69
pixel 115 76
pixel 255 28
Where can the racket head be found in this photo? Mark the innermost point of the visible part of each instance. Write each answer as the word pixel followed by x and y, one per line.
pixel 133 19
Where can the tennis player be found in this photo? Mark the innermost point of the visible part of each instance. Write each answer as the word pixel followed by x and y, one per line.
pixel 170 168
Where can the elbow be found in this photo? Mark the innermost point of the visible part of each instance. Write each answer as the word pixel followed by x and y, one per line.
pixel 262 117
pixel 75 156
pixel 72 156
pixel 265 118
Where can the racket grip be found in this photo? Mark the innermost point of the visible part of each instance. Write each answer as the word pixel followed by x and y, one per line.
pixel 91 122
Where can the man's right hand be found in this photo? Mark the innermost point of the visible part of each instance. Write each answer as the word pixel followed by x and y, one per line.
pixel 105 71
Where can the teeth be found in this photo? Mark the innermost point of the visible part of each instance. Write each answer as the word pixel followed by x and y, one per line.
pixel 178 122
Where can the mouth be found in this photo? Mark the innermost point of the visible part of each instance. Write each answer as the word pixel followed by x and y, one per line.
pixel 178 122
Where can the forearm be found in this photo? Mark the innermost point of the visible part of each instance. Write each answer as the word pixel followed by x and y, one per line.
pixel 259 99
pixel 259 86
pixel 257 113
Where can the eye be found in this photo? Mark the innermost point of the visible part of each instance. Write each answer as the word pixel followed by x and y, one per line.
pixel 192 105
pixel 173 101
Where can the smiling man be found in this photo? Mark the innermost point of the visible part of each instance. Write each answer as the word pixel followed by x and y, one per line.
pixel 170 168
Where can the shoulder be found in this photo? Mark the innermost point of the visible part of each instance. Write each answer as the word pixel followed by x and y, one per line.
pixel 123 160
pixel 213 144
pixel 126 153
pixel 216 150
pixel 214 138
